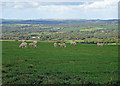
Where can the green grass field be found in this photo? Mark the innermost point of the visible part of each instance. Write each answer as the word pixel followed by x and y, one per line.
pixel 80 64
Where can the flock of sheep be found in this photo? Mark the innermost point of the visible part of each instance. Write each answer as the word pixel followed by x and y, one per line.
pixel 63 44
pixel 34 44
pixel 24 44
pixel 73 43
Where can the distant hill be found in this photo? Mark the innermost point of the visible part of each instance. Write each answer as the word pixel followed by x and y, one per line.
pixel 50 21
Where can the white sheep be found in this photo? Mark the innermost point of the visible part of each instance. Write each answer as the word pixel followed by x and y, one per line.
pixel 32 44
pixel 55 44
pixel 23 41
pixel 35 42
pixel 63 44
pixel 23 45
pixel 72 42
pixel 100 44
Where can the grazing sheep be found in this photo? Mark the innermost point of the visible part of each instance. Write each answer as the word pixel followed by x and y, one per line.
pixel 72 42
pixel 32 44
pixel 23 45
pixel 23 41
pixel 100 44
pixel 63 44
pixel 55 44
pixel 35 42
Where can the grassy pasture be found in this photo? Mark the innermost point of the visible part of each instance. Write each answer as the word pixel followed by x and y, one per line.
pixel 80 64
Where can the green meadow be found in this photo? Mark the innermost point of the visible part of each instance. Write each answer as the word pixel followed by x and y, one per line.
pixel 79 64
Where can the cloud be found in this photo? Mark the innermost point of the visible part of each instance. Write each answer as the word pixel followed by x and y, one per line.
pixel 54 8
pixel 33 3
pixel 103 4
pixel 86 9
pixel 91 8
pixel 82 3
pixel 46 0
pixel 17 6
pixel 86 5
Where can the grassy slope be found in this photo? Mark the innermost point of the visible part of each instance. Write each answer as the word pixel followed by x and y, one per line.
pixel 82 63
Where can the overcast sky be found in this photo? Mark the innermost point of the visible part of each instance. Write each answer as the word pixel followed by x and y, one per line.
pixel 59 9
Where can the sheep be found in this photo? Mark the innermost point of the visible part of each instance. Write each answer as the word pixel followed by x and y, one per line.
pixel 100 44
pixel 23 45
pixel 72 42
pixel 23 41
pixel 63 44
pixel 55 44
pixel 32 44
pixel 35 42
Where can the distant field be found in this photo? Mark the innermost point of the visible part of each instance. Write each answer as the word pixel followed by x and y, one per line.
pixel 80 64
pixel 81 29
pixel 91 29
pixel 72 29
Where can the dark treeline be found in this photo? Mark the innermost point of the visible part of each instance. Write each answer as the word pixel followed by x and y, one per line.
pixel 50 21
